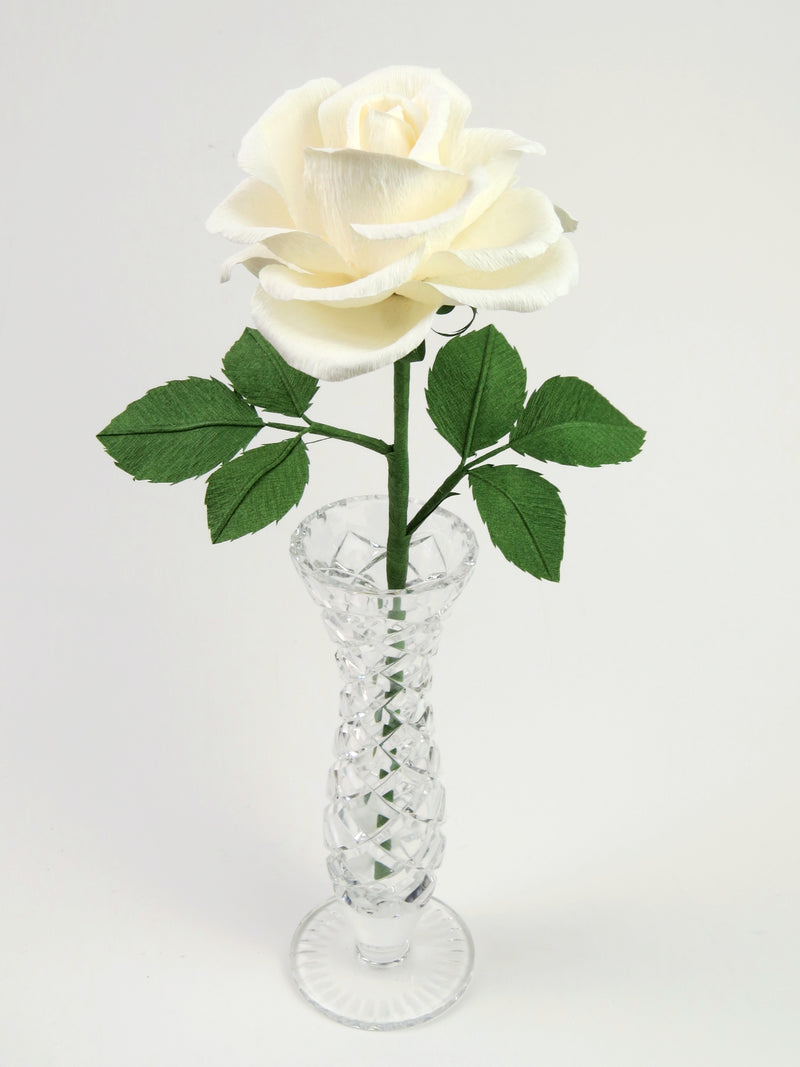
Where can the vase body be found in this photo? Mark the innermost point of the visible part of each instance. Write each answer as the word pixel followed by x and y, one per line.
pixel 383 953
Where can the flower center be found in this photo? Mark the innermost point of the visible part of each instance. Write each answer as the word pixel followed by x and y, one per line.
pixel 388 124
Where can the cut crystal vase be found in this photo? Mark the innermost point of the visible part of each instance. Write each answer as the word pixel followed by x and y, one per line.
pixel 383 953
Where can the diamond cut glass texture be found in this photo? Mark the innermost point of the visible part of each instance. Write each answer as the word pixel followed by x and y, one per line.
pixel 383 820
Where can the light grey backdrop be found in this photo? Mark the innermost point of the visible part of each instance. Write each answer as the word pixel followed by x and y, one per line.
pixel 620 750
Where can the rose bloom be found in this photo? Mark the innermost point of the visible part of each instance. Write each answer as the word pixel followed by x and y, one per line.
pixel 368 207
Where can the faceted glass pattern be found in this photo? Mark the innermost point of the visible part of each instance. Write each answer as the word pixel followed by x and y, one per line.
pixel 383 821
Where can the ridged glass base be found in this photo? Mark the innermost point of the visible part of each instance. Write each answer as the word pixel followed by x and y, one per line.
pixel 332 974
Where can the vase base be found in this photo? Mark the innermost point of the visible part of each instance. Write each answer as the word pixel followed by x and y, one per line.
pixel 333 976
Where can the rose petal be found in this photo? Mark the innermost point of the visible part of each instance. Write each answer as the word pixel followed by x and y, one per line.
pixel 527 286
pixel 272 149
pixel 372 190
pixel 477 146
pixel 520 225
pixel 498 152
pixel 381 131
pixel 307 252
pixel 412 115
pixel 451 218
pixel 406 82
pixel 250 213
pixel 338 343
pixel 254 257
pixel 337 290
pixel 433 145
pixel 303 251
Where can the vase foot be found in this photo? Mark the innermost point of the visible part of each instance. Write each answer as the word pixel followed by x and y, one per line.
pixel 333 976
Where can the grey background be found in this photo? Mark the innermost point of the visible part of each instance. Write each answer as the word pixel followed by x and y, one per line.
pixel 620 750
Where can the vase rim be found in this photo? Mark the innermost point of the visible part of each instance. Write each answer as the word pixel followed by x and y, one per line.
pixel 458 573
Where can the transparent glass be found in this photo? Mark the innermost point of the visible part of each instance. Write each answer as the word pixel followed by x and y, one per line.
pixel 383 953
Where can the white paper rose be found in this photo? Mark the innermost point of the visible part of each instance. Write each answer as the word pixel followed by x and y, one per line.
pixel 368 207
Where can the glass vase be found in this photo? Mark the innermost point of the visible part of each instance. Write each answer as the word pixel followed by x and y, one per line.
pixel 383 953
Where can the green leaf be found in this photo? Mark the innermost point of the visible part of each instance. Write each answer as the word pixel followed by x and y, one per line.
pixel 256 489
pixel 524 515
pixel 260 373
pixel 476 390
pixel 180 430
pixel 568 421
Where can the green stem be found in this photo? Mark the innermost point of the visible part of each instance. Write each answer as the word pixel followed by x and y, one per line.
pixel 374 444
pixel 397 545
pixel 398 539
pixel 433 502
pixel 448 485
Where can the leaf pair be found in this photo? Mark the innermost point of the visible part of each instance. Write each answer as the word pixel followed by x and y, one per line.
pixel 476 396
pixel 187 428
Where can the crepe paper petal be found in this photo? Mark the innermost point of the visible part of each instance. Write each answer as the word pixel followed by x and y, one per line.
pixel 272 149
pixel 526 286
pixel 302 251
pixel 334 343
pixel 386 132
pixel 477 145
pixel 429 146
pixel 404 82
pixel 308 252
pixel 363 120
pixel 449 219
pixel 252 212
pixel 370 188
pixel 498 152
pixel 254 257
pixel 520 225
pixel 285 284
pixel 375 208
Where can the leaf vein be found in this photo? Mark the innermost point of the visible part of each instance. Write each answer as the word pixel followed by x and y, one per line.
pixel 248 488
pixel 476 400
pixel 179 429
pixel 516 507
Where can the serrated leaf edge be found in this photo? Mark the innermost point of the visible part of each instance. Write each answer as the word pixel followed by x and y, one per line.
pixel 106 432
pixel 537 431
pixel 289 447
pixel 474 473
pixel 281 365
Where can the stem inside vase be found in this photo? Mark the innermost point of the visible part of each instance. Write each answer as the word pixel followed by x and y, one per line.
pixel 395 678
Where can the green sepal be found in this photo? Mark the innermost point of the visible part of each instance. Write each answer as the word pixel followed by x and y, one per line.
pixel 568 224
pixel 180 430
pixel 568 421
pixel 257 488
pixel 476 390
pixel 524 516
pixel 259 372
